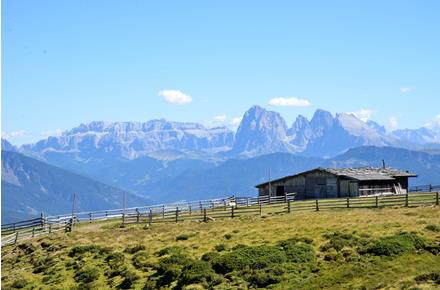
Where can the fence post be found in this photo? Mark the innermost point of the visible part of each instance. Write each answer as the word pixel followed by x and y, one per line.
pixel 205 219
pixel 430 187
pixel 285 196
pixel 137 215
pixel 106 213
pixel 50 228
pixel 436 198
pixel 16 237
pixel 258 200
pixel 377 201
pixel 269 199
pixel 150 217
pixel 33 232
pixel 288 206
pixel 406 199
pixel 247 201
pixel 177 214
pixel 317 205
pixel 348 202
pixel 123 219
pixel 189 208
pixel 201 207
pixel 232 212
pixel 90 217
pixel 163 211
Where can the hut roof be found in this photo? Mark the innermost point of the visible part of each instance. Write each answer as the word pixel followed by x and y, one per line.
pixel 360 174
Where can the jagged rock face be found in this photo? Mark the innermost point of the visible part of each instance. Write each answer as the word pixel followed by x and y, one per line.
pixel 6 146
pixel 134 139
pixel 419 136
pixel 261 132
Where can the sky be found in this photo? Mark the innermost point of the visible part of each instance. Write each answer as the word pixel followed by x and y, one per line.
pixel 70 62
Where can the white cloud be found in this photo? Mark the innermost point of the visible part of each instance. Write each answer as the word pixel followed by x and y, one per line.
pixel 363 114
pixel 56 133
pixel 392 123
pixel 405 90
pixel 289 102
pixel 219 118
pixel 434 123
pixel 13 135
pixel 236 121
pixel 175 97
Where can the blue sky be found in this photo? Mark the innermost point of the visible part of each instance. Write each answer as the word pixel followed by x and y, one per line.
pixel 69 62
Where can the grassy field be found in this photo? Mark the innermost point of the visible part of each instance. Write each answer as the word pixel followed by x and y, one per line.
pixel 391 248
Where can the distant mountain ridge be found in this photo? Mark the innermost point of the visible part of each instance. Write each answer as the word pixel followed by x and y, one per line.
pixel 30 187
pixel 260 132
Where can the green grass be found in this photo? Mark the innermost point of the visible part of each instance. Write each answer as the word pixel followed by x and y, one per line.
pixel 395 248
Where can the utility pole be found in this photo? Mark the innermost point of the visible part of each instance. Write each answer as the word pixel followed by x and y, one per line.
pixel 73 206
pixel 270 187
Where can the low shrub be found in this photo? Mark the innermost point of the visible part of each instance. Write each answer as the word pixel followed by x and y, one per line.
pixel 196 272
pixel 395 245
pixel 433 228
pixel 132 249
pixel 183 237
pixel 228 236
pixel 264 278
pixel 20 283
pixel 220 247
pixel 433 276
pixel 43 264
pixel 339 240
pixel 257 257
pixel 87 275
pixel 298 252
pixel 169 251
pixel 210 256
pixel 129 279
pixel 115 260
pixel 140 260
pixel 83 249
pixel 27 248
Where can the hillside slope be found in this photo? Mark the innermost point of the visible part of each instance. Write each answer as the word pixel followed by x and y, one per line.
pixel 30 187
pixel 330 249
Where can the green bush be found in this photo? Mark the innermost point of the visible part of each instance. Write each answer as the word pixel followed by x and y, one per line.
pixel 339 240
pixel 298 252
pixel 43 264
pixel 220 247
pixel 140 260
pixel 87 275
pixel 129 279
pixel 20 283
pixel 134 249
pixel 228 236
pixel 433 228
pixel 27 248
pixel 395 245
pixel 196 272
pixel 257 257
pixel 168 274
pixel 183 237
pixel 169 251
pixel 115 260
pixel 210 256
pixel 83 249
pixel 264 278
pixel 433 276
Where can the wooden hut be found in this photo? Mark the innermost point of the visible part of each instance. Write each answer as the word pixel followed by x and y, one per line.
pixel 338 182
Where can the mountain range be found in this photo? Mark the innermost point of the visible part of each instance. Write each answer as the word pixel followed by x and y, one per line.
pixel 163 161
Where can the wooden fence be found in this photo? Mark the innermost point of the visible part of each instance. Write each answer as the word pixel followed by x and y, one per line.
pixel 206 210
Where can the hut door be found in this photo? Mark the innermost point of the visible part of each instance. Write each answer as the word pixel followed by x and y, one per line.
pixel 353 189
pixel 280 190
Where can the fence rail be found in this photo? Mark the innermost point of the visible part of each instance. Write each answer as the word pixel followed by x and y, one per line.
pixel 205 210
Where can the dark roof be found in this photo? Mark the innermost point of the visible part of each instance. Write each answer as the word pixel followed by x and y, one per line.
pixel 362 173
